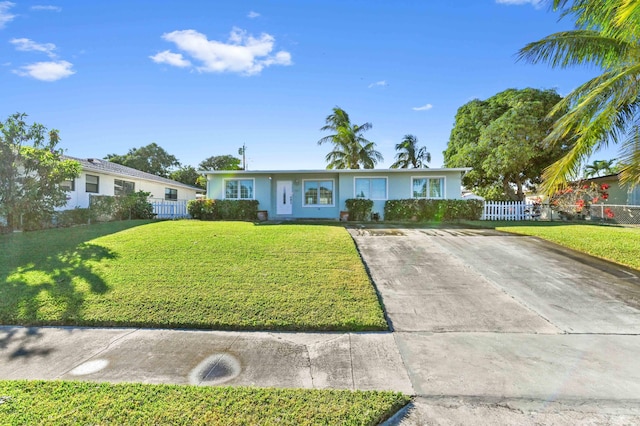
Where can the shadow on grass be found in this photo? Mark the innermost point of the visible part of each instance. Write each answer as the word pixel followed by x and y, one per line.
pixel 45 276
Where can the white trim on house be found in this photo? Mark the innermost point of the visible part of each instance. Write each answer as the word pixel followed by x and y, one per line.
pixel 224 188
pixel 443 187
pixel 386 189
pixel 333 193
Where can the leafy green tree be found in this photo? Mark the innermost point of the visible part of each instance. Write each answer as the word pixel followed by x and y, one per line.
pixel 31 171
pixel 220 162
pixel 409 154
pixel 187 175
pixel 150 158
pixel 606 108
pixel 502 139
pixel 350 149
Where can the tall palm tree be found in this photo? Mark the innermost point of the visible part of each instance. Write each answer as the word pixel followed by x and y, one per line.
pixel 410 154
pixel 350 149
pixel 605 109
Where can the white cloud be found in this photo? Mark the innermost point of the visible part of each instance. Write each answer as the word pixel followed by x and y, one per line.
pixel 46 7
pixel 47 71
pixel 253 15
pixel 535 3
pixel 5 16
pixel 26 45
pixel 242 53
pixel 170 58
pixel 378 83
pixel 423 107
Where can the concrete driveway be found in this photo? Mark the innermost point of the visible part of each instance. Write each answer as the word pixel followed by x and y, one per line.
pixel 500 328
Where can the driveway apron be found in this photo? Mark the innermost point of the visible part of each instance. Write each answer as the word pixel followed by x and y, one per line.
pixel 486 320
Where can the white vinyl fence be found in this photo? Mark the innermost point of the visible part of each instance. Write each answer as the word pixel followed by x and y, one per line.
pixel 510 210
pixel 167 209
pixel 600 213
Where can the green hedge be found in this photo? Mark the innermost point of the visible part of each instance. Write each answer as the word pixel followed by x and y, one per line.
pixel 121 207
pixel 77 216
pixel 359 208
pixel 206 209
pixel 429 210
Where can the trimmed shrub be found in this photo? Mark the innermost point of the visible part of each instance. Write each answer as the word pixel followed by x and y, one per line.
pixel 432 210
pixel 131 206
pixel 359 208
pixel 77 216
pixel 206 209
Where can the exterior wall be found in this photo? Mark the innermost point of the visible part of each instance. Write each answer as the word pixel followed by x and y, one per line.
pixel 619 195
pixel 265 189
pixel 80 198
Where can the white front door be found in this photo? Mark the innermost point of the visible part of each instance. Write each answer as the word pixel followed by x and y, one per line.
pixel 284 195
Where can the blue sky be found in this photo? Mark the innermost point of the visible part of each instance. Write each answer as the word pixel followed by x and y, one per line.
pixel 200 78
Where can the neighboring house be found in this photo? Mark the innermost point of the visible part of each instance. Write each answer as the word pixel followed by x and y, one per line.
pixel 102 177
pixel 618 194
pixel 321 194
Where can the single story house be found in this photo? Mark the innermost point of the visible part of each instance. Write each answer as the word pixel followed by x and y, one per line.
pixel 102 177
pixel 321 194
pixel 618 194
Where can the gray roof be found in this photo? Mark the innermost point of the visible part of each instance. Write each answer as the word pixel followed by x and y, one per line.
pixel 107 167
pixel 333 171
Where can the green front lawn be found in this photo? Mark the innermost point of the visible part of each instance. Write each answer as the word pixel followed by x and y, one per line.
pixel 191 274
pixel 616 244
pixel 71 403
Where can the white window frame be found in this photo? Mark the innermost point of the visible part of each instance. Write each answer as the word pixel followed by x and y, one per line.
pixel 444 187
pixel 224 189
pixel 170 189
pixel 69 188
pixel 97 184
pixel 123 182
pixel 333 193
pixel 386 189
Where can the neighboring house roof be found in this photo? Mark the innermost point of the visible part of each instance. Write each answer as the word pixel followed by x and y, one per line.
pixel 332 171
pixel 107 167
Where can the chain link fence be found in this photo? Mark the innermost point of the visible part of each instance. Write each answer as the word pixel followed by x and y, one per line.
pixel 599 213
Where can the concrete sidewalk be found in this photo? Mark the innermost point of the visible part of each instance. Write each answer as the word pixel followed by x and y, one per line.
pixel 366 361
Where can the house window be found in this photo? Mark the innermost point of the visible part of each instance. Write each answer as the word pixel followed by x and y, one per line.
pixel 318 193
pixel 92 184
pixel 123 187
pixel 371 188
pixel 238 189
pixel 170 194
pixel 68 185
pixel 427 187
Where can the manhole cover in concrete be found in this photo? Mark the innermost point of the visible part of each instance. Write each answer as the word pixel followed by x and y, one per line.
pixel 90 367
pixel 215 369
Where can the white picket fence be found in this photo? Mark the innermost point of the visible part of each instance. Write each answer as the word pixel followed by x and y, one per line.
pixel 167 209
pixel 509 210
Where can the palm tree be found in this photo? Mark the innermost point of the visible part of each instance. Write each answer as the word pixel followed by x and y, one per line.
pixel 605 109
pixel 599 167
pixel 410 155
pixel 351 150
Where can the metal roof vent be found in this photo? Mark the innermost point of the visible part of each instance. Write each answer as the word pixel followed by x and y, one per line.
pixel 93 160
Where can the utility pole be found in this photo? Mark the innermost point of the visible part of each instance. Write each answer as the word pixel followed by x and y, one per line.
pixel 242 151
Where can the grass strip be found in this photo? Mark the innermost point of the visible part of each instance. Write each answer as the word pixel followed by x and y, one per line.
pixel 188 274
pixel 71 403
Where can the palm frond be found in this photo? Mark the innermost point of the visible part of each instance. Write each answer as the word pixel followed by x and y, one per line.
pixel 577 47
pixel 630 158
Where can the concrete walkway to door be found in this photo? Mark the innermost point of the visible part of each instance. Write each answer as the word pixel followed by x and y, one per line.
pixel 497 328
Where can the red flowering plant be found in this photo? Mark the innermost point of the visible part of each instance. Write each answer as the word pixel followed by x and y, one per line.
pixel 574 201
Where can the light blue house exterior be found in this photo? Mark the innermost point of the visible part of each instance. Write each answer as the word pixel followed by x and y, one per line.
pixel 321 194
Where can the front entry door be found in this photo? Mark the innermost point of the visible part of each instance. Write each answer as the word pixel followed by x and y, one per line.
pixel 284 195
